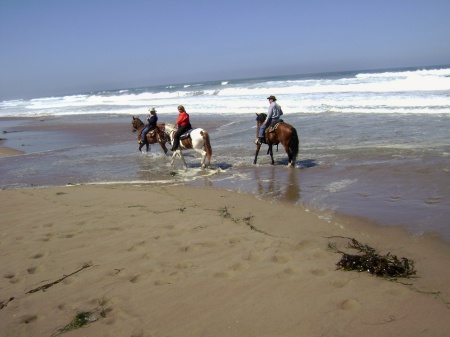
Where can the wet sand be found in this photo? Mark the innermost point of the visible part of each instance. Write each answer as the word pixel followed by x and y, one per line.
pixel 189 261
pixel 6 151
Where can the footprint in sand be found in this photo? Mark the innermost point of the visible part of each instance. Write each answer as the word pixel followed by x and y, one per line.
pixel 318 272
pixel 27 319
pixel 350 304
pixel 11 277
pixel 281 258
pixel 34 269
pixel 136 278
pixel 235 240
pixel 47 237
pixel 38 255
pixel 288 272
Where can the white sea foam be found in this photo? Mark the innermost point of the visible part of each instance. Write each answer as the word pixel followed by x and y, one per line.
pixel 403 91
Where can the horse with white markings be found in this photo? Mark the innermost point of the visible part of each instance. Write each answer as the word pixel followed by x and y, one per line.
pixel 196 139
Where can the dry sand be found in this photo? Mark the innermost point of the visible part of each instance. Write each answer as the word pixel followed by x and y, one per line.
pixel 186 261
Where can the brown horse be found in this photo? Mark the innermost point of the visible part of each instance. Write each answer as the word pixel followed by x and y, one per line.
pixel 155 136
pixel 283 133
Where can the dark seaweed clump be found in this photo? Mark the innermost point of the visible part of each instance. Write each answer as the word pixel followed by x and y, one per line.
pixel 387 266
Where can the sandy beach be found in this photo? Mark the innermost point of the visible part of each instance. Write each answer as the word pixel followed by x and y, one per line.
pixel 187 261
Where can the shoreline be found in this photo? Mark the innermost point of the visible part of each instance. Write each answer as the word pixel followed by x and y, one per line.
pixel 215 261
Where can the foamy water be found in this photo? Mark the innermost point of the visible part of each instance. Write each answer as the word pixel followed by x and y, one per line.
pixel 394 91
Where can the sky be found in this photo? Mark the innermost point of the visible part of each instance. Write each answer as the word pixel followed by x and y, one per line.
pixel 57 47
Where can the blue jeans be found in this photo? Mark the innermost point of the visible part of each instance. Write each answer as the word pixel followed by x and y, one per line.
pixel 146 130
pixel 262 129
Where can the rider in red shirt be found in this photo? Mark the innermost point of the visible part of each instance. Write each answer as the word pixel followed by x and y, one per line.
pixel 183 125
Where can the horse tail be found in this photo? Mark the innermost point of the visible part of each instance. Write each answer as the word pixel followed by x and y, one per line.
pixel 293 144
pixel 208 148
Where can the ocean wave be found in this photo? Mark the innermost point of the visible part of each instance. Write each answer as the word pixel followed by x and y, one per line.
pixel 402 91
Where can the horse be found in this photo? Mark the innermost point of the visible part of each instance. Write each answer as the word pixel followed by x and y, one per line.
pixel 283 133
pixel 197 139
pixel 154 136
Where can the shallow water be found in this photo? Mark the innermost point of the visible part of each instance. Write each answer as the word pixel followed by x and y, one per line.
pixel 389 168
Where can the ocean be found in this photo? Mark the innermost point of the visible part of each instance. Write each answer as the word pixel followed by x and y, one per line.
pixel 373 144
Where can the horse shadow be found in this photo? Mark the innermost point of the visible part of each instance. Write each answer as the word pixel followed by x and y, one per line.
pixel 307 163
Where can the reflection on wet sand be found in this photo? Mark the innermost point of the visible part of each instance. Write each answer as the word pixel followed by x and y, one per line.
pixel 277 184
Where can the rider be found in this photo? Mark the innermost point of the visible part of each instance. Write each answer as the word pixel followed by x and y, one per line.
pixel 152 119
pixel 273 115
pixel 183 125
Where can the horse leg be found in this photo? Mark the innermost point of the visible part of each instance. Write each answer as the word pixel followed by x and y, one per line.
pixel 203 154
pixel 161 142
pixel 182 157
pixel 290 156
pixel 163 146
pixel 208 155
pixel 180 154
pixel 271 154
pixel 173 158
pixel 258 146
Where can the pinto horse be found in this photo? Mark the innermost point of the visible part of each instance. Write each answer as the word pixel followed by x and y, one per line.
pixel 155 136
pixel 283 133
pixel 197 139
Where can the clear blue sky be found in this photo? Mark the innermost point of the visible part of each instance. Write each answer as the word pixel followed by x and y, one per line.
pixel 53 47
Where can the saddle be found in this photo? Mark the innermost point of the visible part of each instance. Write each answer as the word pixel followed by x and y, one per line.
pixel 273 126
pixel 158 131
pixel 186 134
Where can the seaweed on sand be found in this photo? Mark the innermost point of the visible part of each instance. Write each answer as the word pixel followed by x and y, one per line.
pixel 81 319
pixel 388 266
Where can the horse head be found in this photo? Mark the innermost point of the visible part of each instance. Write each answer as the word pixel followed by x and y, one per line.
pixel 136 123
pixel 260 118
pixel 169 128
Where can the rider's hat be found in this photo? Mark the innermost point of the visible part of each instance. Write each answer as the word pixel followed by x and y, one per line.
pixel 152 110
pixel 272 97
